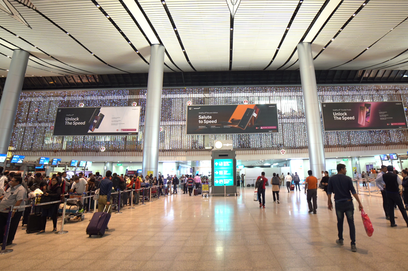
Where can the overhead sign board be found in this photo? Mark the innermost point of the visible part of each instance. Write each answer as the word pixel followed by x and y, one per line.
pixel 232 119
pixel 97 121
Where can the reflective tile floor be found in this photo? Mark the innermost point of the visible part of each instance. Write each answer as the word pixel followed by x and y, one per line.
pixel 193 233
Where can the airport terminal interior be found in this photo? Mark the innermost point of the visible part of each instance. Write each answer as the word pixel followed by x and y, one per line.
pixel 219 90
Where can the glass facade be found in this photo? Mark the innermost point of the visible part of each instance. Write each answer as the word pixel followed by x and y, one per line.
pixel 36 115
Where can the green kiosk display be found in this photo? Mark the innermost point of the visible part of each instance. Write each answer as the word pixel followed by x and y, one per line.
pixel 223 165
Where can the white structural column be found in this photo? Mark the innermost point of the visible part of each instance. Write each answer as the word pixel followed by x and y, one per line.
pixel 153 111
pixel 312 112
pixel 11 96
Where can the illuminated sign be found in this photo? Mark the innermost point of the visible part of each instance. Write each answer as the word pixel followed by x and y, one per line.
pixel 223 172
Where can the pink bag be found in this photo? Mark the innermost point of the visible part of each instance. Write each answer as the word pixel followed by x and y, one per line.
pixel 367 223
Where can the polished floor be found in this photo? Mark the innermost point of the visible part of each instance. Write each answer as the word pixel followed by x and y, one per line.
pixel 193 233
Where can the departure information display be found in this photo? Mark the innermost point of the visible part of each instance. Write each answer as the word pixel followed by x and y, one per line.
pixel 223 172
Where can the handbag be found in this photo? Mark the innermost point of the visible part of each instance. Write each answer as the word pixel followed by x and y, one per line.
pixel 368 226
pixel 96 196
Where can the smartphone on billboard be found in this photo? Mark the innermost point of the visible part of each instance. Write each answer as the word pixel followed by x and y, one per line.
pixel 362 115
pixel 246 118
pixel 368 112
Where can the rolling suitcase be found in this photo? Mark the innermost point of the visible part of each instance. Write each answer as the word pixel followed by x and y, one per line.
pixel 292 187
pixel 34 223
pixel 99 223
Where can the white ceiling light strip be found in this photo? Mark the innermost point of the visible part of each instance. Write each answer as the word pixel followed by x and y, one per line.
pixel 132 6
pixel 322 18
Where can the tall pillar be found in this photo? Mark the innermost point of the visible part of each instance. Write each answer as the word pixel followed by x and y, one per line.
pixel 311 103
pixel 153 111
pixel 11 96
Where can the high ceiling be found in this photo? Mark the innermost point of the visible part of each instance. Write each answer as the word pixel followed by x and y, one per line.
pixel 77 37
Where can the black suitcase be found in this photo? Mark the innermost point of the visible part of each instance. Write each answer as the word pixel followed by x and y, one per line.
pixel 99 223
pixel 34 223
pixel 26 214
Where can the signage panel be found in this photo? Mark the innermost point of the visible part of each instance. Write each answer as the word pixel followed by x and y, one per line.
pixel 232 119
pixel 44 161
pixel 363 116
pixel 223 172
pixel 17 159
pixel 97 121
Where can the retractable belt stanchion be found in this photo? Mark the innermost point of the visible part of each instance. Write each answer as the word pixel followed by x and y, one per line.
pixel 6 233
pixel 150 194
pixel 131 199
pixel 63 218
pixel 95 205
pixel 89 202
pixel 143 196
pixel 119 202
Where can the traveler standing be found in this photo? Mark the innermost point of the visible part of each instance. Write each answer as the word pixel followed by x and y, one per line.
pixel 282 178
pixel 175 183
pixel 190 183
pixel 405 186
pixel 342 185
pixel 51 210
pixel 197 181
pixel 296 180
pixel 288 179
pixel 275 186
pixel 242 180
pixel 392 182
pixel 183 183
pixel 380 184
pixel 14 195
pixel 311 188
pixel 105 191
pixel 260 184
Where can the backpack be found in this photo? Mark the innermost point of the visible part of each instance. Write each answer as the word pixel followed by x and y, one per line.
pixel 122 185
pixel 259 183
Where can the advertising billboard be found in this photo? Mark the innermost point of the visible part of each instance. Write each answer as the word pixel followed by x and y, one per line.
pixel 232 119
pixel 223 172
pixel 363 116
pixel 97 121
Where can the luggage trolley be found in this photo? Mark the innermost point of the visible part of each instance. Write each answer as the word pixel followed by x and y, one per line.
pixel 205 190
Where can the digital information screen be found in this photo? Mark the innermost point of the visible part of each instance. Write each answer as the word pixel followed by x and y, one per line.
pixel 74 163
pixel 82 163
pixel 17 159
pixel 55 161
pixel 232 119
pixel 97 121
pixel 363 116
pixel 223 172
pixel 44 161
pixel 3 158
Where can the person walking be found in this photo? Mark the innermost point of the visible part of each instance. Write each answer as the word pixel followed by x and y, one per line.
pixel 275 186
pixel 311 190
pixel 288 179
pixel 392 182
pixel 105 190
pixel 380 184
pixel 260 184
pixel 190 183
pixel 175 183
pixel 296 180
pixel 342 185
pixel 325 181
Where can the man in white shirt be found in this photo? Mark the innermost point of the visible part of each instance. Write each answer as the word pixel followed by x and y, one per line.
pixel 380 185
pixel 3 180
pixel 288 180
pixel 79 186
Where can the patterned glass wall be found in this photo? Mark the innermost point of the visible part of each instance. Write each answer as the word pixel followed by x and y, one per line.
pixel 37 110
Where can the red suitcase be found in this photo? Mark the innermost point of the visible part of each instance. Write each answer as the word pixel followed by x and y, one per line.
pixel 292 187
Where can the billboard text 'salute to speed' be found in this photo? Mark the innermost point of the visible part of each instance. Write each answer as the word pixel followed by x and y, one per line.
pixel 363 116
pixel 97 121
pixel 232 119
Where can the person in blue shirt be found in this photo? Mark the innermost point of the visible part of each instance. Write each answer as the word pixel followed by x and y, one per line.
pixel 105 191
pixel 342 187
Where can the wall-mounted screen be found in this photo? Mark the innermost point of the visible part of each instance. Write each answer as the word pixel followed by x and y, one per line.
pixel 74 163
pixel 3 158
pixel 82 164
pixel 97 121
pixel 363 116
pixel 232 119
pixel 384 157
pixel 393 156
pixel 55 162
pixel 44 161
pixel 17 159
